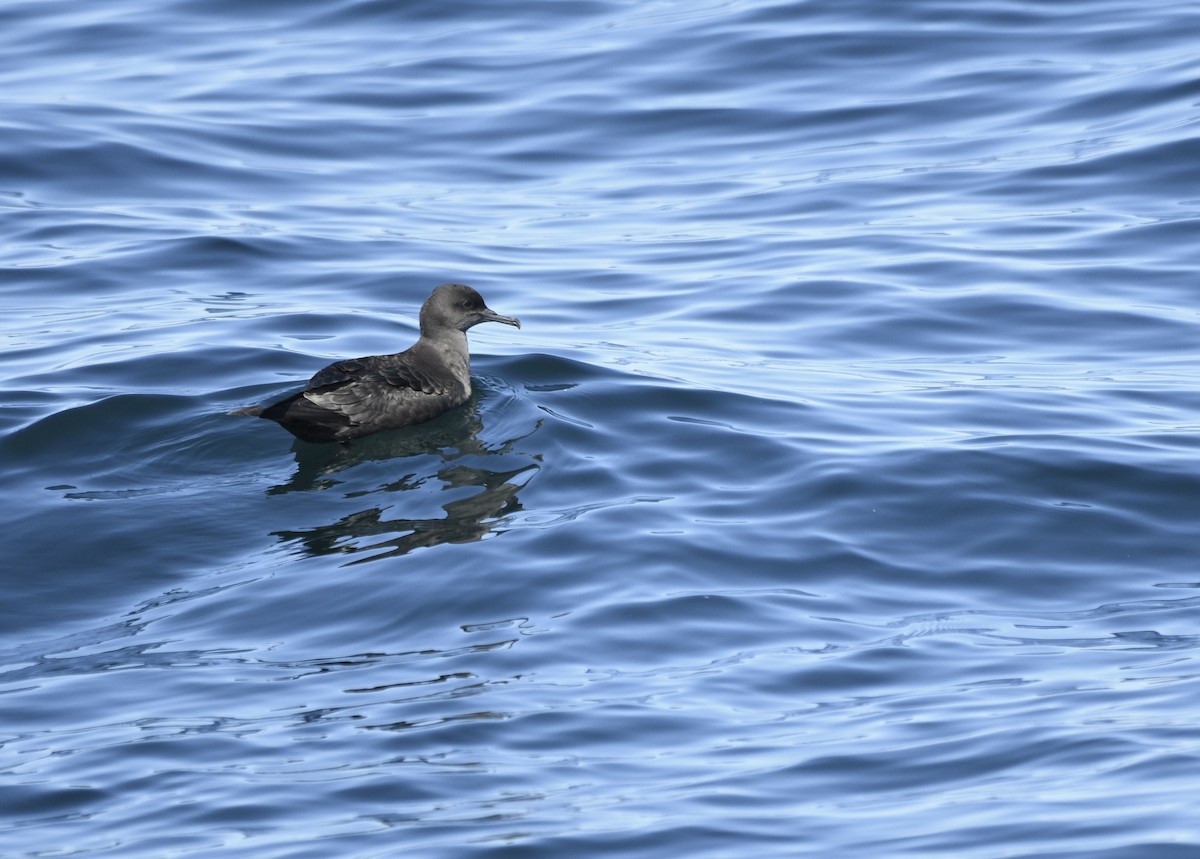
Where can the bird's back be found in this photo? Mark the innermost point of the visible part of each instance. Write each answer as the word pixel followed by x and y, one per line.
pixel 360 396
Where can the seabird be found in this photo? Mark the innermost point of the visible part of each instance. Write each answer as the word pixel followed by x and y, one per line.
pixel 360 396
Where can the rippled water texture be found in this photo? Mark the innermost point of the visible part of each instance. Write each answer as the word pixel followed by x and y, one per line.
pixel 837 497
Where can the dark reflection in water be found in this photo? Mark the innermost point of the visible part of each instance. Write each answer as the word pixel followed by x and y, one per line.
pixel 447 441
pixel 466 520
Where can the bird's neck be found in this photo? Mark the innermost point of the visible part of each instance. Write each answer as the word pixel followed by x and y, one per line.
pixel 449 348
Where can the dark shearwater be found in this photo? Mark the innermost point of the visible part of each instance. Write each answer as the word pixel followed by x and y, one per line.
pixel 350 399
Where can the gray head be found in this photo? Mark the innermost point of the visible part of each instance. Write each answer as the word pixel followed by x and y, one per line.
pixel 456 305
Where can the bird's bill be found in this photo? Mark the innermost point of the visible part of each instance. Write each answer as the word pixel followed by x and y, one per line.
pixel 490 315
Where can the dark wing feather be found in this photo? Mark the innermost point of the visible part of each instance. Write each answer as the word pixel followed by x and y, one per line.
pixel 362 395
pixel 384 391
pixel 399 371
pixel 337 373
pixel 306 420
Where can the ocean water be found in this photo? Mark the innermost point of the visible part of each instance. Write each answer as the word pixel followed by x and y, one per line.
pixel 838 497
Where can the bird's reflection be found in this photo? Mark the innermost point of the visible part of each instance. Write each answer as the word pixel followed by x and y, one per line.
pixel 448 449
pixel 466 520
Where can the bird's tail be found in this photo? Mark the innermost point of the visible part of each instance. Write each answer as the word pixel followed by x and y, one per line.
pixel 248 411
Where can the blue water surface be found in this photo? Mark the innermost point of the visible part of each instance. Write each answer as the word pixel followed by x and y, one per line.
pixel 837 498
